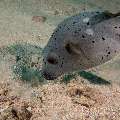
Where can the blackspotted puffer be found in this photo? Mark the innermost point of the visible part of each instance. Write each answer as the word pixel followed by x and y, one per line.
pixel 80 42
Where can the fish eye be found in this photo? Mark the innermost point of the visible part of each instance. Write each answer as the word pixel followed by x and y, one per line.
pixel 52 60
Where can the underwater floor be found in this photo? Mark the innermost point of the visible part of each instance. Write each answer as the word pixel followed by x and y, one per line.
pixel 25 28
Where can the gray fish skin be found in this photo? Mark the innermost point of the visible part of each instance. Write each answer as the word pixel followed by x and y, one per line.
pixel 81 42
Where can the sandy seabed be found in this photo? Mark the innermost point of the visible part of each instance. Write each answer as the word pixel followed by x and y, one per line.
pixel 84 97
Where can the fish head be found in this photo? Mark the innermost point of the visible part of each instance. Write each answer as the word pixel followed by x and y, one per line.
pixel 63 54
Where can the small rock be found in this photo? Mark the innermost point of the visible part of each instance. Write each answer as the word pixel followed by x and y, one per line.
pixel 40 19
pixel 29 108
pixel 84 101
pixel 22 113
pixel 6 114
pixel 56 12
pixel 16 113
pixel 84 95
pixel 3 92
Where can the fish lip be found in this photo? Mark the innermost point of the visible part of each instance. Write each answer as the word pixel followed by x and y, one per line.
pixel 48 75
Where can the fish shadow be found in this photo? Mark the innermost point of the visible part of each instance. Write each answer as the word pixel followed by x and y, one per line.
pixel 24 67
pixel 92 78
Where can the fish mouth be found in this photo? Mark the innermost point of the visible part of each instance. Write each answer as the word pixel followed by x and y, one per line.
pixel 48 76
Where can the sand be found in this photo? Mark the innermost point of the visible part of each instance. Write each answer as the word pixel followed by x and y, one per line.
pixel 93 94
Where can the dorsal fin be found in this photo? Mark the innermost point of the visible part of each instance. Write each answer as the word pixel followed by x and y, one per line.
pixel 101 16
pixel 112 14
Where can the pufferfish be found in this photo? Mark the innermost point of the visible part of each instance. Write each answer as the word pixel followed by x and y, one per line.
pixel 81 42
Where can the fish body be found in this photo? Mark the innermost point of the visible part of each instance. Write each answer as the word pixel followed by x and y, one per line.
pixel 80 42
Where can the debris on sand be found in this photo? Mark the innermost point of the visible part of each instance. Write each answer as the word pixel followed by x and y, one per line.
pixel 56 12
pixel 16 113
pixel 84 95
pixel 11 106
pixel 40 19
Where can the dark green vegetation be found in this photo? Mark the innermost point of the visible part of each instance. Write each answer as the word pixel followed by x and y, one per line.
pixel 28 59
pixel 92 78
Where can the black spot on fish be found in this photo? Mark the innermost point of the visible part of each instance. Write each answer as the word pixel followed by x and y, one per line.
pixel 88 23
pixel 83 36
pixel 88 58
pixel 108 52
pixel 76 33
pixel 103 38
pixel 118 35
pixel 61 64
pixel 52 35
pixel 56 48
pixel 52 60
pixel 18 58
pixel 97 12
pixel 68 28
pixel 60 27
pixel 44 61
pixel 74 22
pixel 102 57
pixel 93 41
